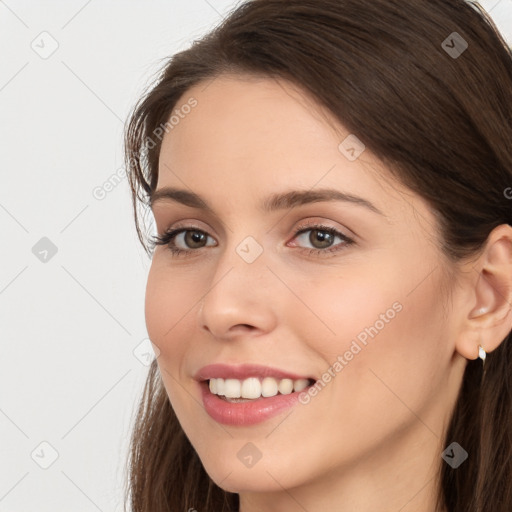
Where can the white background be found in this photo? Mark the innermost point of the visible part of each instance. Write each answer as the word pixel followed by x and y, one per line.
pixel 69 326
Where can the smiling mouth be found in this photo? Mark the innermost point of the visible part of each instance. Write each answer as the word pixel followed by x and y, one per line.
pixel 255 388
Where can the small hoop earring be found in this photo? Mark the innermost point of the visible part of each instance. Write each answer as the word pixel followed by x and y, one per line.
pixel 482 355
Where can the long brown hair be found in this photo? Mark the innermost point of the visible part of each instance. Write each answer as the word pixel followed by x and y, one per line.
pixel 427 86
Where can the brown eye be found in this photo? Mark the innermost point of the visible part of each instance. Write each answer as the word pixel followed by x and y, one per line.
pixel 322 237
pixel 195 239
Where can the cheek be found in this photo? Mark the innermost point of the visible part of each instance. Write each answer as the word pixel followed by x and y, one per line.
pixel 166 306
pixel 397 370
pixel 343 308
pixel 388 332
pixel 388 307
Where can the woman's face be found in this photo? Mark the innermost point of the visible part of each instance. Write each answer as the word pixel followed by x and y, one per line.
pixel 365 318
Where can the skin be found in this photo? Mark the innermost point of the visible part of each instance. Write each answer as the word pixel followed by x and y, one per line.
pixel 374 434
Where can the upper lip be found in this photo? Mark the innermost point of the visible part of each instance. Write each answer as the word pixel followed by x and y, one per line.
pixel 244 371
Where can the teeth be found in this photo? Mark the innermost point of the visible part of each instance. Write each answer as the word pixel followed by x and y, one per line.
pixel 232 388
pixel 269 387
pixel 252 387
pixel 285 386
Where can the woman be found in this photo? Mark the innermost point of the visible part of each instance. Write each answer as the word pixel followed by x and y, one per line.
pixel 331 283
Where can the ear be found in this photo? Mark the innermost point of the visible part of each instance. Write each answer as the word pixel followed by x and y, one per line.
pixel 488 320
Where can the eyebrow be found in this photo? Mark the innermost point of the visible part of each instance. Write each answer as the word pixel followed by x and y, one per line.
pixel 275 202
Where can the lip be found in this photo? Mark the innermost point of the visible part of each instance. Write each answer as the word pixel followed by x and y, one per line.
pixel 250 412
pixel 244 371
pixel 246 413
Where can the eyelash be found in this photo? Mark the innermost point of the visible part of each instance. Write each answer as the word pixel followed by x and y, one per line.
pixel 169 236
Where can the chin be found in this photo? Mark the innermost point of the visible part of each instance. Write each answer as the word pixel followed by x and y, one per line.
pixel 248 482
pixel 261 478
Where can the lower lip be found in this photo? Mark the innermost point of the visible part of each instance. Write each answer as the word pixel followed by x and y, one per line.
pixel 246 413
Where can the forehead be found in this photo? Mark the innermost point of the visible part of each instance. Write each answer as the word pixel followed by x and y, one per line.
pixel 254 127
pixel 239 104
pixel 249 137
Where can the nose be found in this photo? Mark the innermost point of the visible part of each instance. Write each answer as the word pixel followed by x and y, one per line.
pixel 240 300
